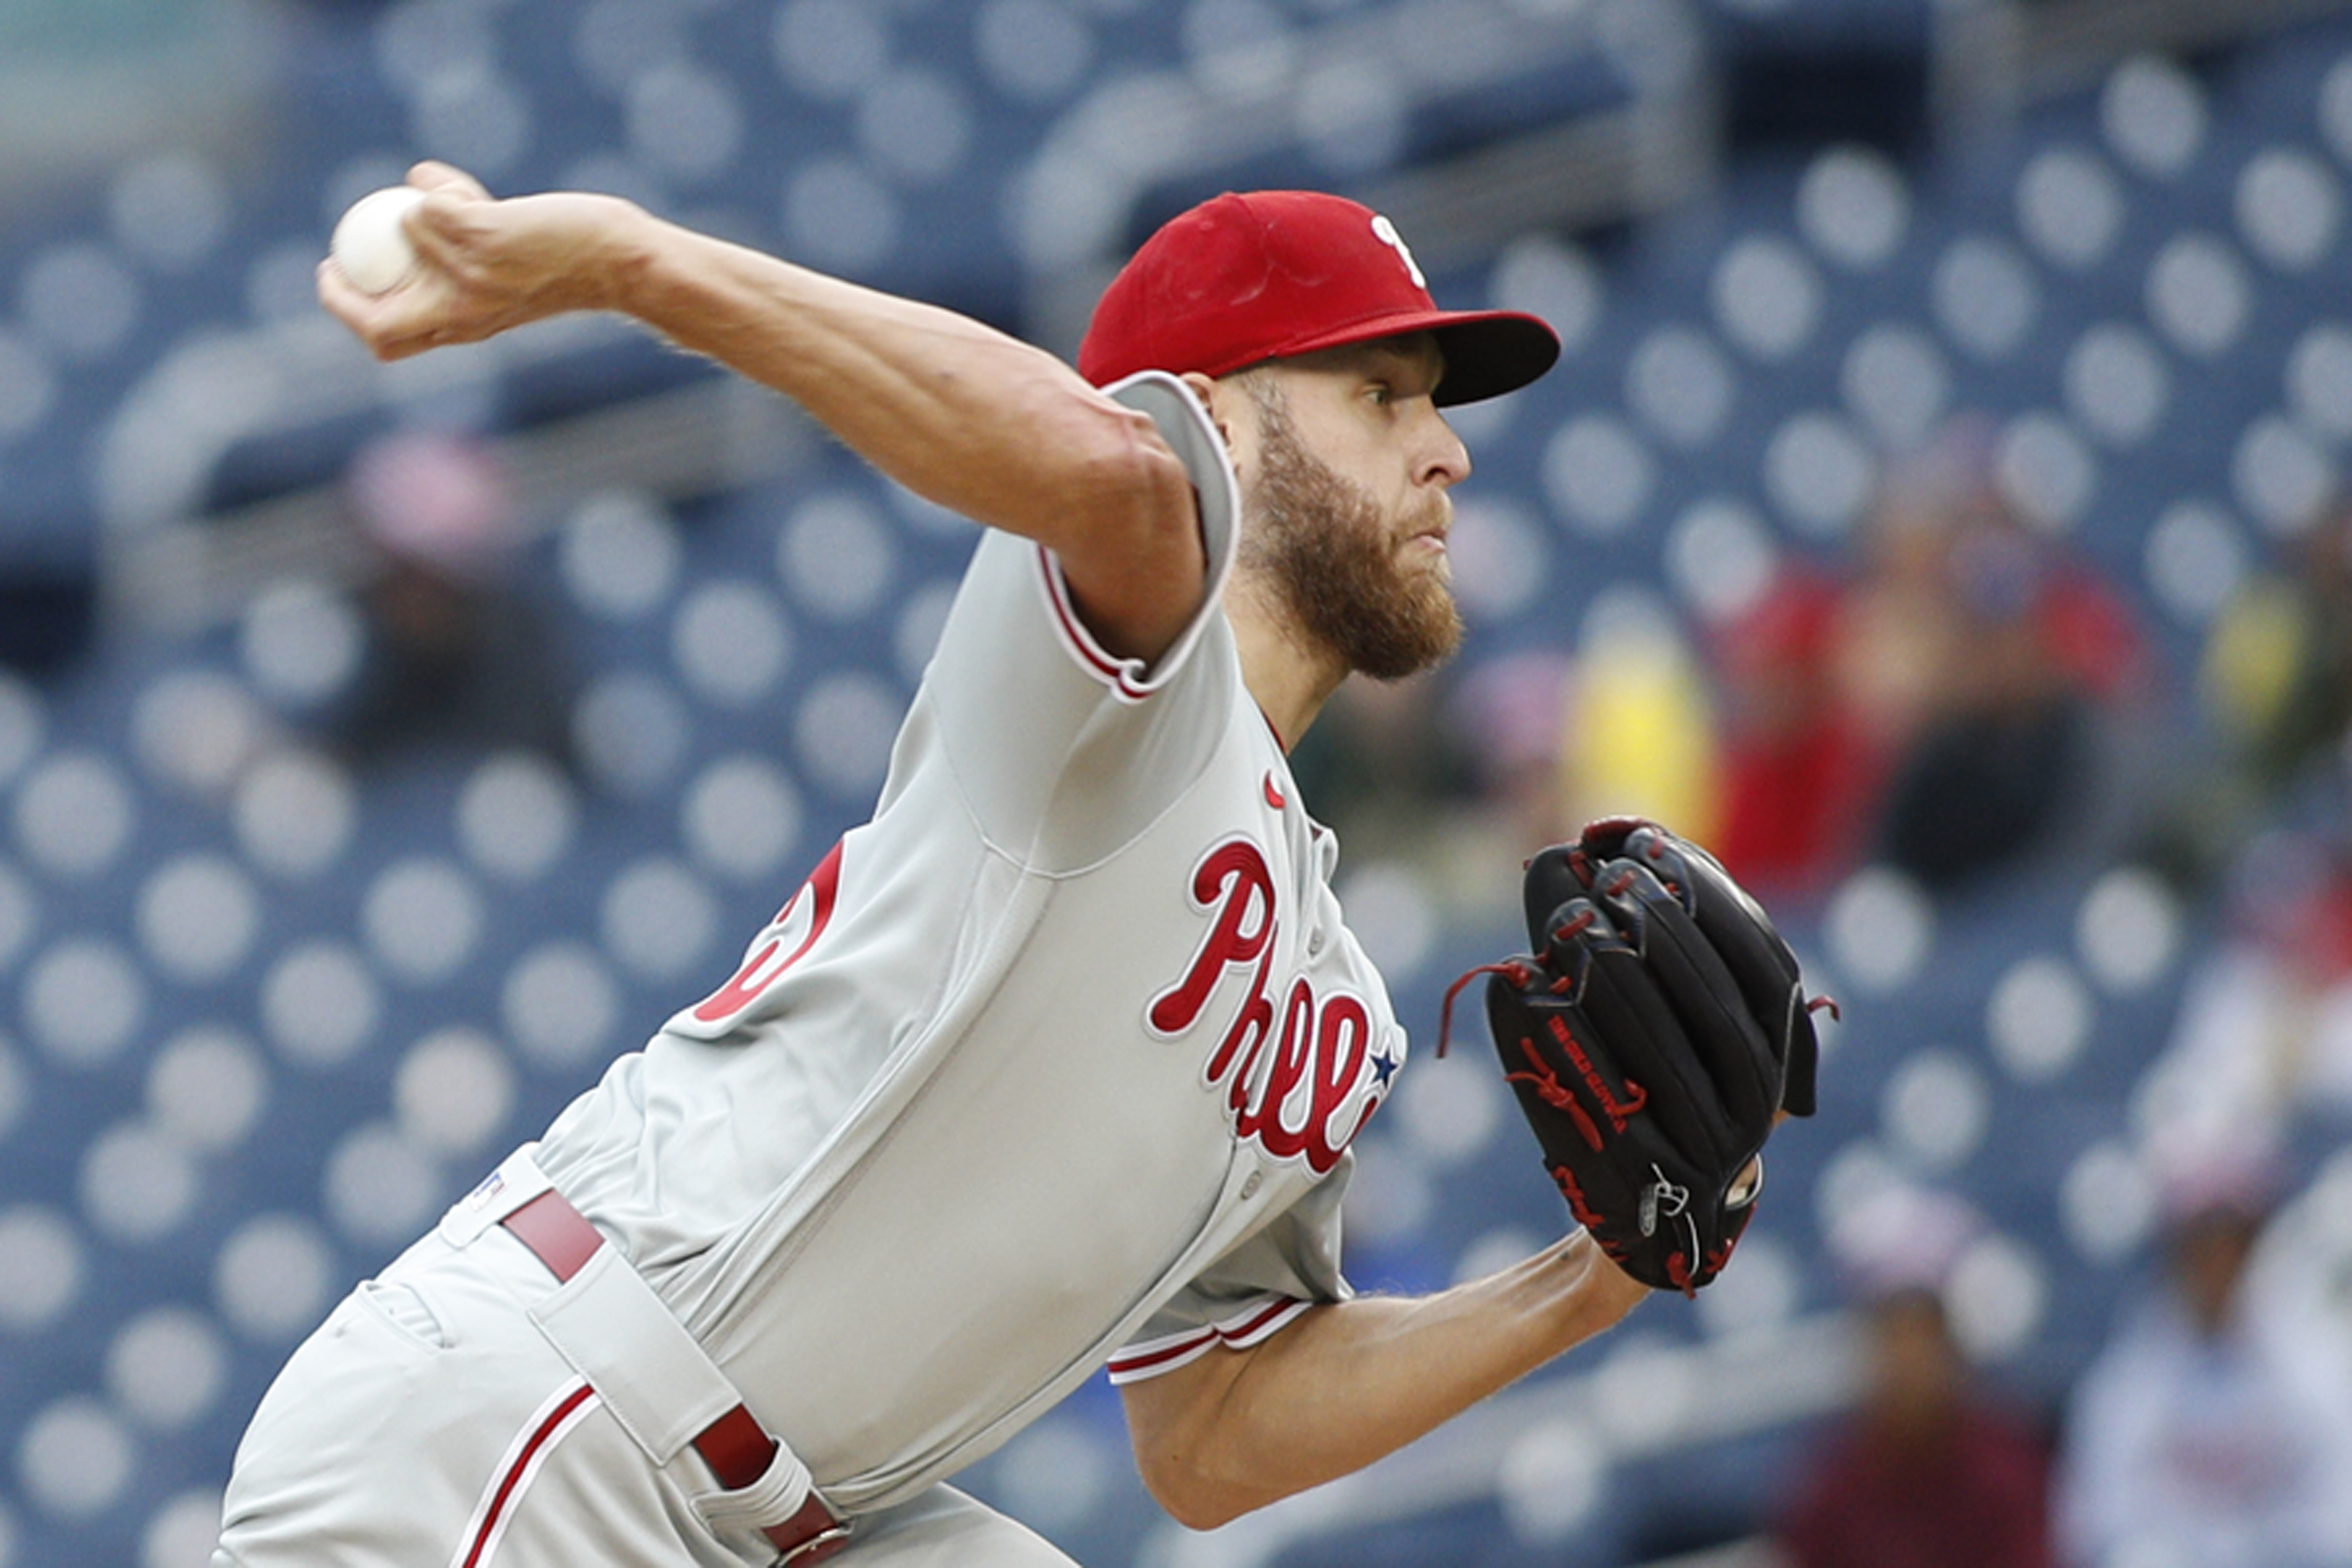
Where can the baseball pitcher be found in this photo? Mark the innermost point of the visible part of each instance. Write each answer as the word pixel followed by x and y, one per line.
pixel 1055 1061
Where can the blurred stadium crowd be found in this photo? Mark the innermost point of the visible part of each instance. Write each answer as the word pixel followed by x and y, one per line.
pixel 1939 508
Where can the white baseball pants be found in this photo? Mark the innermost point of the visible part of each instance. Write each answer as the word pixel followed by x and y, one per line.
pixel 429 1424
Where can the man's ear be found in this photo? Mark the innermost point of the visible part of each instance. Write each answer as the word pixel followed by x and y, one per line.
pixel 1216 397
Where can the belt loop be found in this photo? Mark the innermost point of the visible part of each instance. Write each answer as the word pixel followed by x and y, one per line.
pixel 515 1183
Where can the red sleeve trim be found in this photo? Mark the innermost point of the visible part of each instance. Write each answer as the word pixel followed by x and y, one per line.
pixel 1253 1325
pixel 1124 676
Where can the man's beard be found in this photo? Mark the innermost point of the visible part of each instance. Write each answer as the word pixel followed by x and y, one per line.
pixel 1322 543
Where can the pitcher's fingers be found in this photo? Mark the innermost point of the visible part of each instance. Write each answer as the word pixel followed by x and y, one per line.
pixel 432 174
pixel 342 299
pixel 389 326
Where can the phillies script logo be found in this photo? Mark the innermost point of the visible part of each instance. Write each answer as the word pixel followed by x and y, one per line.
pixel 1295 1070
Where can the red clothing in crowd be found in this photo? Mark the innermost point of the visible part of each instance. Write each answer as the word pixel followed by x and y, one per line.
pixel 1972 1493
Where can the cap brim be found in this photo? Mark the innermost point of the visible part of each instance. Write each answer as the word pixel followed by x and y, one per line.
pixel 1488 353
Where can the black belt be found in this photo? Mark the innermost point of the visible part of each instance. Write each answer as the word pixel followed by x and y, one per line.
pixel 736 1447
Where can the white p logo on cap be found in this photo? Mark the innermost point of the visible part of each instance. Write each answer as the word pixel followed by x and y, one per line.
pixel 1386 233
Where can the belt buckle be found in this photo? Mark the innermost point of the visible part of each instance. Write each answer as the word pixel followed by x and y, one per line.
pixel 817 1547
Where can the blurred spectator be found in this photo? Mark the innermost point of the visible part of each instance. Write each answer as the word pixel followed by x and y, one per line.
pixel 2211 1433
pixel 453 655
pixel 1802 771
pixel 2003 748
pixel 1378 762
pixel 2261 1049
pixel 1899 631
pixel 2276 674
pixel 1926 1472
pixel 1486 762
pixel 1640 725
pixel 1988 663
pixel 1396 769
pixel 2274 699
pixel 1510 713
pixel 2300 1278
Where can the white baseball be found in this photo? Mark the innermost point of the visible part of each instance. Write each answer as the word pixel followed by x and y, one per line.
pixel 369 246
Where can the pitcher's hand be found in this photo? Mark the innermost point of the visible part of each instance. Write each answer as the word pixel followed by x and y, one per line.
pixel 485 266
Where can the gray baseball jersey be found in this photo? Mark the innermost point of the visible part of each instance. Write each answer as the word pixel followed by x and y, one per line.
pixel 1060 1053
pixel 1055 1060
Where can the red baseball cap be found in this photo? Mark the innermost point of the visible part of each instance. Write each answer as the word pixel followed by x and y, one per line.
pixel 1242 279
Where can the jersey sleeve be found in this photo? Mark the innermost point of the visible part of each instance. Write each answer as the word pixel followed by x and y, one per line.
pixel 1250 1293
pixel 1185 426
pixel 1059 749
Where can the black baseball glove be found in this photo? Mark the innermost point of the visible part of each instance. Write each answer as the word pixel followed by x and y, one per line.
pixel 1653 1037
